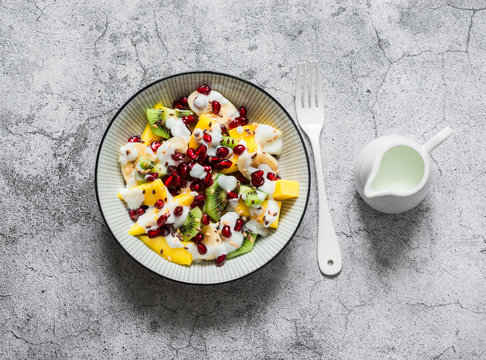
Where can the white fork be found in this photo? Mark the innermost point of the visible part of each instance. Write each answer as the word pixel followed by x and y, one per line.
pixel 309 104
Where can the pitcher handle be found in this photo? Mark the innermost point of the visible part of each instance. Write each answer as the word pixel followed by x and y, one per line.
pixel 438 139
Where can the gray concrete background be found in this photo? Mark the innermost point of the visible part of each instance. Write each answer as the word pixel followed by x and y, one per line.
pixel 413 286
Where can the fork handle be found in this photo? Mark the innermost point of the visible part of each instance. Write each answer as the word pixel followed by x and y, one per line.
pixel 328 252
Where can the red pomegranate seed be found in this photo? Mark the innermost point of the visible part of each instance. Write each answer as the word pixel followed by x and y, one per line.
pixel 191 154
pixel 134 139
pixel 235 123
pixel 271 176
pixel 225 164
pixel 205 220
pixel 198 199
pixel 257 182
pixel 207 168
pixel 165 230
pixel 183 183
pixel 133 214
pixel 244 121
pixel 242 111
pixel 171 169
pixel 202 248
pixel 153 233
pixel 208 138
pixel 226 232
pixel 174 191
pixel 178 211
pixel 177 105
pixel 201 150
pixel 177 181
pixel 232 194
pixel 198 238
pixel 216 106
pixel 222 151
pixel 188 119
pixel 162 220
pixel 239 224
pixel 159 204
pixel 183 100
pixel 155 145
pixel 191 164
pixel 220 260
pixel 170 180
pixel 183 170
pixel 257 174
pixel 202 159
pixel 243 180
pixel 224 131
pixel 141 211
pixel 196 186
pixel 204 89
pixel 239 149
pixel 208 180
pixel 151 177
pixel 177 157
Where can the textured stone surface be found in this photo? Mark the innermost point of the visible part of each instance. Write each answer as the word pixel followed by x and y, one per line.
pixel 413 286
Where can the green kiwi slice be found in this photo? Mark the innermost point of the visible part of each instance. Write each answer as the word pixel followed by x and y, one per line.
pixel 156 119
pixel 252 196
pixel 245 247
pixel 192 225
pixel 215 201
pixel 229 141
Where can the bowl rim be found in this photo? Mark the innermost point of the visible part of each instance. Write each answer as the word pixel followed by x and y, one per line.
pixel 211 73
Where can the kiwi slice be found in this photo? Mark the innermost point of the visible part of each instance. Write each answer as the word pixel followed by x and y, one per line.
pixel 192 225
pixel 156 119
pixel 215 201
pixel 229 142
pixel 140 178
pixel 146 164
pixel 245 247
pixel 160 169
pixel 252 197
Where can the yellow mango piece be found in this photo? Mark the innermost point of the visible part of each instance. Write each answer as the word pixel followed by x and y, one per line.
pixel 159 245
pixel 152 191
pixel 204 123
pixel 286 189
pixel 184 199
pixel 242 209
pixel 158 106
pixel 136 230
pixel 148 135
pixel 248 136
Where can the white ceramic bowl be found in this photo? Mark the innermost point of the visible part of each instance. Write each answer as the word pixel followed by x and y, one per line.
pixel 131 120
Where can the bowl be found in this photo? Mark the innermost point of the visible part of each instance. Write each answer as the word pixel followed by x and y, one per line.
pixel 131 120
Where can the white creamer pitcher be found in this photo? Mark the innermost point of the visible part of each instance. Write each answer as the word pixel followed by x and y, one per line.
pixel 392 173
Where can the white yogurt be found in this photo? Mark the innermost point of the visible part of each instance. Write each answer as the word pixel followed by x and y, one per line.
pixel 198 171
pixel 133 197
pixel 271 213
pixel 128 153
pixel 227 183
pixel 178 128
pixel 269 139
pixel 255 227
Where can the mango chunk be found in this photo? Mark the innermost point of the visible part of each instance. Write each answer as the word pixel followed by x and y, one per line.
pixel 152 191
pixel 136 230
pixel 159 245
pixel 184 199
pixel 243 210
pixel 205 122
pixel 286 189
pixel 249 137
pixel 148 135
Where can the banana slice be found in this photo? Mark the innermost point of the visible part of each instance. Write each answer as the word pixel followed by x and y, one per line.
pixel 248 163
pixel 201 104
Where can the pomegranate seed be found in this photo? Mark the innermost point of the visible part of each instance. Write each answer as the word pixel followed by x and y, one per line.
pixel 177 157
pixel 188 119
pixel 243 121
pixel 183 183
pixel 222 151
pixel 216 106
pixel 134 139
pixel 208 180
pixel 178 211
pixel 198 199
pixel 170 180
pixel 235 123
pixel 239 149
pixel 155 145
pixel 239 224
pixel 183 170
pixel 198 238
pixel 191 164
pixel 205 220
pixel 183 100
pixel 224 131
pixel 242 179
pixel 214 160
pixel 202 248
pixel 133 214
pixel 165 230
pixel 204 89
pixel 257 182
pixel 220 260
pixel 153 233
pixel 242 111
pixel 202 159
pixel 159 204
pixel 174 191
pixel 196 186
pixel 208 138
pixel 207 168
pixel 271 176
pixel 141 211
pixel 177 105
pixel 191 154
pixel 162 220
pixel 151 177
pixel 226 232
pixel 225 164
pixel 171 169
pixel 232 194
pixel 257 174
pixel 201 150
pixel 178 181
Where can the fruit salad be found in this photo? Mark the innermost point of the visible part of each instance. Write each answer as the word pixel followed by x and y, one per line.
pixel 202 181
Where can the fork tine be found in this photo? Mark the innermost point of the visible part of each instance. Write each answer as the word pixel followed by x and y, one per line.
pixel 306 82
pixel 314 82
pixel 320 96
pixel 298 87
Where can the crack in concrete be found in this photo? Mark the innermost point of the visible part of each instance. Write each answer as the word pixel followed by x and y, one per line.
pixel 144 69
pixel 436 357
pixel 103 33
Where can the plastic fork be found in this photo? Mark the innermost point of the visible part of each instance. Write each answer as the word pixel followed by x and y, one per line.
pixel 309 104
